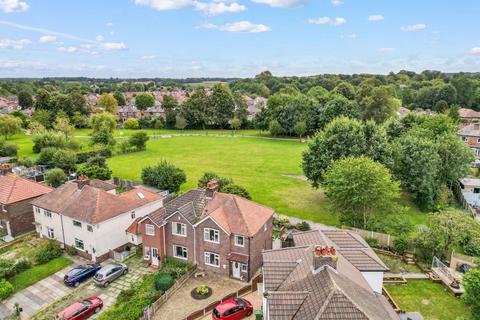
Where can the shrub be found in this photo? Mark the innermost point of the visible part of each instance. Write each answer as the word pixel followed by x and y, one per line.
pixel 237 190
pixel 372 242
pixel 125 295
pixel 47 251
pixel 22 265
pixel 139 140
pixel 85 155
pixel 125 147
pixel 46 156
pixel 203 290
pixel 55 177
pixel 164 176
pixel 131 123
pixel 65 159
pixel 8 150
pixel 73 145
pixel 400 244
pixel 472 248
pixel 6 267
pixel 94 172
pixel 46 139
pixel 303 226
pixel 6 289
pixel 209 176
pixel 72 251
pixel 163 281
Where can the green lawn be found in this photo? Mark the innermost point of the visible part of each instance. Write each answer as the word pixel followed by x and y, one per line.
pixel 430 299
pixel 39 272
pixel 398 266
pixel 127 132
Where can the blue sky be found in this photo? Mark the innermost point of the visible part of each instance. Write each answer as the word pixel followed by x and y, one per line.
pixel 228 38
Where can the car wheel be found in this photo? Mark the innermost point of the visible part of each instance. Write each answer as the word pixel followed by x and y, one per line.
pixel 249 313
pixel 97 309
pixel 76 284
pixel 125 271
pixel 106 284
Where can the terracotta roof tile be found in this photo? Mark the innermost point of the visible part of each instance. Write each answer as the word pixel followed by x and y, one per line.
pixel 14 188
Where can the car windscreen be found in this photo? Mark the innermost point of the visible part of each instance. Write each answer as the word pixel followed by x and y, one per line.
pixel 241 302
pixel 216 313
pixel 74 272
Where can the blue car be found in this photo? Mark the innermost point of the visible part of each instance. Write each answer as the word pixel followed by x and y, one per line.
pixel 81 273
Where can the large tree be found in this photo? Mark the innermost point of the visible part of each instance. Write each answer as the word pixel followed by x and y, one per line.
pixel 103 120
pixel 9 125
pixel 143 101
pixel 379 105
pixel 25 99
pixel 108 103
pixel 170 106
pixel 164 176
pixel 196 110
pixel 222 105
pixel 121 101
pixel 360 188
pixel 337 107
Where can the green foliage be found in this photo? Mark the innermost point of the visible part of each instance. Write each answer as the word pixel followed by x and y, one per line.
pixel 163 281
pixel 202 290
pixel 47 250
pixel 144 101
pixel 372 242
pixel 8 150
pixel 97 152
pixel 103 137
pixel 222 105
pixel 25 99
pixel 275 128
pixel 401 243
pixel 6 289
pixel 121 101
pixel 210 176
pixel 300 128
pixel 337 107
pixel 103 120
pixel 471 284
pixel 164 176
pixel 138 140
pixel 108 103
pixel 65 159
pixel 180 122
pixel 360 189
pixel 303 226
pixel 55 139
pixel 9 125
pixel 55 177
pixel 94 171
pixel 131 123
pixel 237 190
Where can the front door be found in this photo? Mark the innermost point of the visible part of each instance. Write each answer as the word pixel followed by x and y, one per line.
pixel 155 258
pixel 236 269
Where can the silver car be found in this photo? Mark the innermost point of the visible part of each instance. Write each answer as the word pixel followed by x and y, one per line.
pixel 109 273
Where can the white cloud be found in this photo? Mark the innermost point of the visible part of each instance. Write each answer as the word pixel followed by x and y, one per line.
pixel 113 46
pixel 241 26
pixel 375 17
pixel 165 4
pixel 68 49
pixel 14 44
pixel 349 36
pixel 386 49
pixel 109 24
pixel 336 3
pixel 216 8
pixel 99 38
pixel 150 57
pixel 282 3
pixel 475 50
pixel 112 33
pixel 47 39
pixel 413 27
pixel 327 20
pixel 13 6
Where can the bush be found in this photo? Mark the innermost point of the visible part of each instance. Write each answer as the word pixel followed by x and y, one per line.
pixel 303 226
pixel 46 139
pixel 22 265
pixel 85 155
pixel 203 290
pixel 125 295
pixel 237 190
pixel 46 156
pixel 55 177
pixel 372 242
pixel 94 172
pixel 46 251
pixel 400 244
pixel 138 140
pixel 131 123
pixel 472 248
pixel 8 150
pixel 209 176
pixel 163 281
pixel 6 289
pixel 6 268
pixel 72 251
pixel 164 176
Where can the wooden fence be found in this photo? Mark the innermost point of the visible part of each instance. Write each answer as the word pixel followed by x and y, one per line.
pixel 384 240
pixel 252 287
pixel 457 190
pixel 154 307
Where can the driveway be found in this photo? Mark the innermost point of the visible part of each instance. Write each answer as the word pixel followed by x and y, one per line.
pixel 254 297
pixel 181 304
pixel 109 295
pixel 38 295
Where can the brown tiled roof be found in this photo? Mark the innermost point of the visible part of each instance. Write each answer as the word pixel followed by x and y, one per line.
pixel 14 188
pixel 196 197
pixel 134 228
pixel 296 291
pixel 92 205
pixel 470 131
pixel 99 184
pixel 239 257
pixel 468 113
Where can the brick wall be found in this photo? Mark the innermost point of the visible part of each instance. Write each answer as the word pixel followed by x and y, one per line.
pixel 20 215
pixel 187 242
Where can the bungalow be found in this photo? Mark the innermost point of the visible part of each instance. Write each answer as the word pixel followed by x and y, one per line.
pixel 16 213
pixel 91 219
pixel 218 232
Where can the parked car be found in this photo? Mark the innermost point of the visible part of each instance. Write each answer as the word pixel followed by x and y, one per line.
pixel 81 273
pixel 81 310
pixel 232 309
pixel 109 273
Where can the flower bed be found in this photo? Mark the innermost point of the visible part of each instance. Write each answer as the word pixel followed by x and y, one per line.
pixel 201 292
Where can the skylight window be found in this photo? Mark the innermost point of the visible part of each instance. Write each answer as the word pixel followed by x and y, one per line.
pixel 140 195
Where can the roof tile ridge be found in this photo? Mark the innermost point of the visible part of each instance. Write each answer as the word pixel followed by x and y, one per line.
pixel 241 214
pixel 97 203
pixel 13 187
pixel 325 304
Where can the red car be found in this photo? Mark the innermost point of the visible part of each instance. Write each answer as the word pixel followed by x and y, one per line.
pixel 233 309
pixel 81 310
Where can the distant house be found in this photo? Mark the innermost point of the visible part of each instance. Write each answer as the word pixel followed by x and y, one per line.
pixel 8 105
pixel 469 116
pixel 470 134
pixel 218 232
pixel 16 212
pixel 89 218
pixel 254 105
pixel 130 111
pixel 327 275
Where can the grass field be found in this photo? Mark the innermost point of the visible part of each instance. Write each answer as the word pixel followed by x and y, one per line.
pixel 430 299
pixel 37 273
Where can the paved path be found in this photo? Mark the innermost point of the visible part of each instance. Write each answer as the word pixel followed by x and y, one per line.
pixel 38 295
pixel 313 225
pixel 407 275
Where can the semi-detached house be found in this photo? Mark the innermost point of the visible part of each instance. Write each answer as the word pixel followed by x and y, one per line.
pixel 218 232
pixel 91 219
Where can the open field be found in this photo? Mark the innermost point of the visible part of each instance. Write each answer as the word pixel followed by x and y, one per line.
pixel 430 299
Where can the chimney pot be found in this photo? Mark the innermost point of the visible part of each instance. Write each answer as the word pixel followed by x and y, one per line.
pixel 82 181
pixel 212 187
pixel 324 255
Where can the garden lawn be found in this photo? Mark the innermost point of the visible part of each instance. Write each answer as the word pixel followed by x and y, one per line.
pixel 398 266
pixel 430 299
pixel 38 272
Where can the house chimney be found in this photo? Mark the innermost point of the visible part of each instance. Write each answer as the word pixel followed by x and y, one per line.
pixel 324 255
pixel 5 168
pixel 212 187
pixel 82 181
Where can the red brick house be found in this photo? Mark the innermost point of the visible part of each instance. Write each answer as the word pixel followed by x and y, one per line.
pixel 16 212
pixel 218 232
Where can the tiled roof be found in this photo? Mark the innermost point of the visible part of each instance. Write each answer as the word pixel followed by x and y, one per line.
pixel 134 228
pixel 14 188
pixel 100 184
pixel 92 205
pixel 470 130
pixel 195 197
pixel 295 291
pixel 468 113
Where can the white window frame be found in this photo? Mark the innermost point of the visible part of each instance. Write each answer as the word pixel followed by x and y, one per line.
pixel 4 208
pixel 132 214
pixel 77 241
pixel 175 252
pixel 37 210
pixel 89 228
pixel 206 259
pixel 244 268
pixel 77 223
pixel 150 229
pixel 236 241
pixel 183 227
pixel 50 233
pixel 206 235
pixel 265 227
pixel 47 213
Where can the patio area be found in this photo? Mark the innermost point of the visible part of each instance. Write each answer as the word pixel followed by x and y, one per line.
pixel 254 297
pixel 181 304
